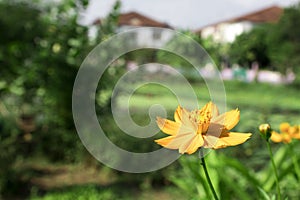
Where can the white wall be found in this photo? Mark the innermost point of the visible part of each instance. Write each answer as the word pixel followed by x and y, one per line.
pixel 153 37
pixel 226 32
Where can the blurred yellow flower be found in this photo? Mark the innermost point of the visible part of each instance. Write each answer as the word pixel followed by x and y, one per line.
pixel 287 133
pixel 296 132
pixel 200 128
pixel 281 137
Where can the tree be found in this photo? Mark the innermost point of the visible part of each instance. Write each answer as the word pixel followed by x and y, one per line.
pixel 251 47
pixel 276 45
pixel 42 47
pixel 284 40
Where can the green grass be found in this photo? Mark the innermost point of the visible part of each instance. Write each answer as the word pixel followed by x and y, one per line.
pixel 245 164
pixel 259 103
pixel 262 98
pixel 150 94
pixel 248 94
pixel 278 98
pixel 125 192
pixel 83 192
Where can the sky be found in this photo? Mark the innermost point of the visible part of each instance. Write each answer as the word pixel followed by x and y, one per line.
pixel 183 14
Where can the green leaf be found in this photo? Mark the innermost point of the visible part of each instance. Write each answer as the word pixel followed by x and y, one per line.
pixel 263 194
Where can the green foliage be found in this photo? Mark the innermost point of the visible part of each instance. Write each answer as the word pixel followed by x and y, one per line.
pixel 41 50
pixel 180 44
pixel 285 40
pixel 42 47
pixel 19 43
pixel 215 50
pixel 105 29
pixel 108 26
pixel 39 58
pixel 234 179
pixel 275 45
pixel 82 193
pixel 251 47
pixel 212 52
pixel 240 172
pixel 111 192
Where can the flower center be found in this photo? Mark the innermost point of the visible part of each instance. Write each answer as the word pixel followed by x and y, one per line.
pixel 202 119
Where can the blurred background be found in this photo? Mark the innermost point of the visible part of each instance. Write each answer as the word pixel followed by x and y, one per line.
pixel 44 42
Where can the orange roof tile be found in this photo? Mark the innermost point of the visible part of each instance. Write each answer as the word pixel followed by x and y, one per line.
pixel 267 15
pixel 137 19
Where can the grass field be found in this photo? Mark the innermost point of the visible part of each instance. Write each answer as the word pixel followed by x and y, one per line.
pixel 258 103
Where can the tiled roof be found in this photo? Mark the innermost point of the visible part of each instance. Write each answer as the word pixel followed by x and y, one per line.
pixel 267 15
pixel 137 19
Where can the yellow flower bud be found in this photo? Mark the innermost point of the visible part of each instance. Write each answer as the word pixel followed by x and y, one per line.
pixel 265 130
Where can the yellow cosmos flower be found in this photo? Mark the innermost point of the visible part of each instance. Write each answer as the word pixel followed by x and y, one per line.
pixel 200 128
pixel 287 133
pixel 294 131
pixel 281 137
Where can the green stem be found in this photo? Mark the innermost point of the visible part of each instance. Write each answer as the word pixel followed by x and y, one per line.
pixel 275 170
pixel 208 178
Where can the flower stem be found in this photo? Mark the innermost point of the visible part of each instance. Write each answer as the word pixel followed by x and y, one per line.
pixel 208 179
pixel 275 170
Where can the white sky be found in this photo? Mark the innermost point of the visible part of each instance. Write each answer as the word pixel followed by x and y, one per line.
pixel 185 14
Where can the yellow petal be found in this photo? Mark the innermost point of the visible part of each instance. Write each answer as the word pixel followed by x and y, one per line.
pixel 195 144
pixel 164 141
pixel 286 138
pixel 185 143
pixel 296 133
pixel 168 126
pixel 214 110
pixel 232 139
pixel 205 112
pixel 284 127
pixel 292 130
pixel 228 119
pixel 209 110
pixel 180 141
pixel 209 141
pixel 206 108
pixel 177 114
pixel 186 121
pixel 276 137
pixel 296 136
pixel 177 141
pixel 281 137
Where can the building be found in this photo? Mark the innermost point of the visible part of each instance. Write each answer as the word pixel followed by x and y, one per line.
pixel 228 30
pixel 131 20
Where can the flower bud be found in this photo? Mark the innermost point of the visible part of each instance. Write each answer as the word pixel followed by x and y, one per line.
pixel 265 130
